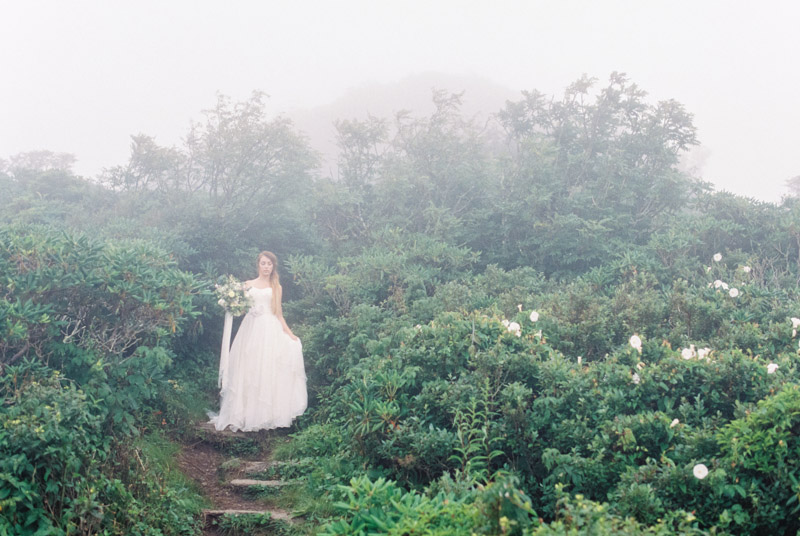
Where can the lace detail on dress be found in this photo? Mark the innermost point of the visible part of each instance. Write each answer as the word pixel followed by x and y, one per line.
pixel 262 301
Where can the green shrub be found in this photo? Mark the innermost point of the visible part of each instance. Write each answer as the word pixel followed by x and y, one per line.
pixel 60 472
pixel 381 507
pixel 762 452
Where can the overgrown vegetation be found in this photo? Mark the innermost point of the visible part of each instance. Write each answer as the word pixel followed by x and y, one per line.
pixel 537 326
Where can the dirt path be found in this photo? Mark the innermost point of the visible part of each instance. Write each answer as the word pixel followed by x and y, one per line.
pixel 203 462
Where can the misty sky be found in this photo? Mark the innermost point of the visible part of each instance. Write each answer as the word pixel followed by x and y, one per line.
pixel 82 76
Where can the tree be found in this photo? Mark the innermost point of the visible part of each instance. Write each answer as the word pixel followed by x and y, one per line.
pixel 590 170
pixel 793 185
pixel 37 161
pixel 239 181
pixel 40 187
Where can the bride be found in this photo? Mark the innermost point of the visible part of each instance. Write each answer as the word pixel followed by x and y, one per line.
pixel 263 380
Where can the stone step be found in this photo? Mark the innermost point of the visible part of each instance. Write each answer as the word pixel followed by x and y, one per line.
pixel 274 514
pixel 257 467
pixel 208 428
pixel 248 482
pixel 260 467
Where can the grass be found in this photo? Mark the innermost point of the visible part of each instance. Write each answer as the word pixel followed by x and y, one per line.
pixel 159 455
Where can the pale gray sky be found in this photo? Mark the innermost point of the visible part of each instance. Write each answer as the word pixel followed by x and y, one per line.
pixel 82 76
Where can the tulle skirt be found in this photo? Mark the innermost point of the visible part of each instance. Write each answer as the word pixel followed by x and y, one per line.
pixel 265 385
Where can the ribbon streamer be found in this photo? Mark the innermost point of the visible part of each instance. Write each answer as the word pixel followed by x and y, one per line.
pixel 226 347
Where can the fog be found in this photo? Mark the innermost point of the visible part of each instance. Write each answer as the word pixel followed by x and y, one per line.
pixel 81 77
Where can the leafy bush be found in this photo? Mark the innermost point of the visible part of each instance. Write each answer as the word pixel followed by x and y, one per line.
pixel 60 473
pixel 381 507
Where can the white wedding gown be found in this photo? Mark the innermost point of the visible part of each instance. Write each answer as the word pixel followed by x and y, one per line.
pixel 264 384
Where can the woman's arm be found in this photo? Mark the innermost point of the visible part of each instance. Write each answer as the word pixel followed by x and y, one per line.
pixel 279 314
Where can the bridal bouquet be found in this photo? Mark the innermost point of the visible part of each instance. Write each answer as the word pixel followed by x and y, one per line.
pixel 233 296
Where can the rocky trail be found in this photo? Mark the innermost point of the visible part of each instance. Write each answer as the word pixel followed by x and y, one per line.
pixel 232 469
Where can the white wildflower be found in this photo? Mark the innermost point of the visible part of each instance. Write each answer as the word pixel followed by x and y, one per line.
pixel 505 322
pixel 640 365
pixel 515 328
pixel 636 342
pixel 702 353
pixel 636 378
pixel 687 353
pixel 717 257
pixel 580 359
pixel 795 322
pixel 534 316
pixel 700 471
pixel 771 368
pixel 718 283
pixel 674 423
pixel 519 307
pixel 746 269
pixel 708 269
pixel 734 292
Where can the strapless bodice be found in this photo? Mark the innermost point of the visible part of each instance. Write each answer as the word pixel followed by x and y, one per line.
pixel 262 301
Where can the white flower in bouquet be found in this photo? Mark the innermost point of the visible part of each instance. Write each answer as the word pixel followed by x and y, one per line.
pixel 700 471
pixel 233 296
